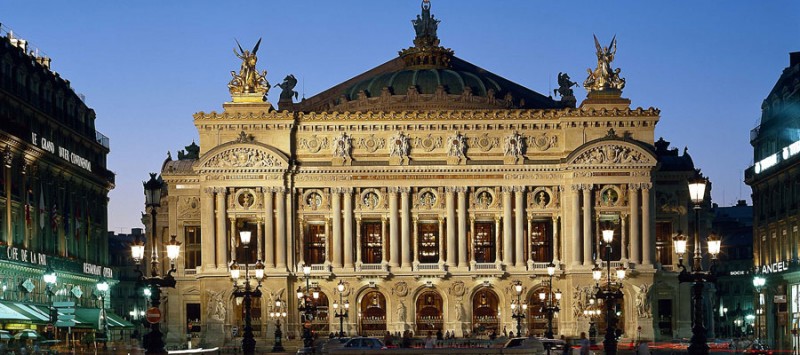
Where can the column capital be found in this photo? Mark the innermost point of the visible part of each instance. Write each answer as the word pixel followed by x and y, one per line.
pixel 634 186
pixel 647 186
pixel 208 190
pixel 461 190
pixel 337 190
pixel 220 190
pixel 393 189
pixel 347 190
pixel 279 189
pixel 581 187
pixel 519 189
pixel 404 190
pixel 450 189
pixel 507 189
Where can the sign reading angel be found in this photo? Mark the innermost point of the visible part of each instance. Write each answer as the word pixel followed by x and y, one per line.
pixel 604 77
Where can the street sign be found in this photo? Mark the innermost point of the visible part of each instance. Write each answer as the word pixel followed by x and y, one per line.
pixel 66 310
pixel 66 323
pixel 66 317
pixel 153 315
pixel 63 304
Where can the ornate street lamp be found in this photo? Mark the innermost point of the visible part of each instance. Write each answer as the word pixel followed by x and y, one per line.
pixel 519 308
pixel 343 313
pixel 610 292
pixel 758 283
pixel 247 291
pixel 550 306
pixel 277 313
pixel 697 276
pixel 102 288
pixel 308 310
pixel 153 342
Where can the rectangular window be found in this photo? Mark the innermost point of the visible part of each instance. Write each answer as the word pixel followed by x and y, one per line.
pixel 541 237
pixel 428 242
pixel 193 318
pixel 371 242
pixel 193 249
pixel 484 243
pixel 664 243
pixel 315 244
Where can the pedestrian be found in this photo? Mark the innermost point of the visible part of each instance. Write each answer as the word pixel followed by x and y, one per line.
pixel 429 341
pixel 387 339
pixel 567 348
pixel 584 344
pixel 643 349
pixel 439 334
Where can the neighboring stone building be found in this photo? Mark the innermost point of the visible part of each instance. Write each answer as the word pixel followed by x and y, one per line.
pixel 54 186
pixel 775 180
pixel 428 186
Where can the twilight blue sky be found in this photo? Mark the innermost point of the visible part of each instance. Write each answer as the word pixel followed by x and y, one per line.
pixel 146 66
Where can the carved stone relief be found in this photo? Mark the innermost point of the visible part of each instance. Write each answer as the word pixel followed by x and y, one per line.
pixel 371 143
pixel 485 142
pixel 189 207
pixel 428 143
pixel 244 158
pixel 612 154
pixel 314 144
pixel 543 142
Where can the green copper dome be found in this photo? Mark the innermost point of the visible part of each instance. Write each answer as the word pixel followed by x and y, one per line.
pixel 426 81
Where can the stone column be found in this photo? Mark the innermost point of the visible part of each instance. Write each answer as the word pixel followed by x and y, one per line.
pixel 384 244
pixel 508 234
pixel 405 232
pixel 587 225
pixel 440 241
pixel 462 227
pixel 647 227
pixel 358 240
pixel 280 238
pixel 234 238
pixel 336 224
pixel 497 253
pixel 222 232
pixel 576 225
pixel 260 237
pixel 633 192
pixel 302 237
pixel 207 228
pixel 415 241
pixel 528 258
pixel 519 237
pixel 328 242
pixel 348 228
pixel 394 229
pixel 450 205
pixel 555 240
pixel 472 241
pixel 624 231
pixel 269 229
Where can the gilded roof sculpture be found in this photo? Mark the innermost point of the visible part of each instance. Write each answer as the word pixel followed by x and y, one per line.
pixel 604 77
pixel 249 85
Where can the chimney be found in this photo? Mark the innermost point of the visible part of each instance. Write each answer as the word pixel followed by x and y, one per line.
pixel 794 58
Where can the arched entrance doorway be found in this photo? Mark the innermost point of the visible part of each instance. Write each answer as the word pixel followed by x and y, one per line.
pixel 485 306
pixel 320 324
pixel 600 321
pixel 429 312
pixel 255 315
pixel 372 314
pixel 537 317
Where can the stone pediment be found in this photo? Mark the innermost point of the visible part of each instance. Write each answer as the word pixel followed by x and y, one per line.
pixel 243 156
pixel 610 152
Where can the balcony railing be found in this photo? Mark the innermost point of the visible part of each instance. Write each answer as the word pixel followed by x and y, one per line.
pixel 102 139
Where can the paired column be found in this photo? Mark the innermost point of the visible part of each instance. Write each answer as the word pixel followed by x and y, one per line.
pixel 280 242
pixel 508 233
pixel 405 243
pixel 450 205
pixel 207 228
pixel 624 224
pixel 415 241
pixel 269 229
pixel 587 225
pixel 394 233
pixel 555 240
pixel 462 227
pixel 348 228
pixel 336 223
pixel 576 225
pixel 440 241
pixel 519 245
pixel 647 234
pixel 222 233
pixel 358 240
pixel 633 192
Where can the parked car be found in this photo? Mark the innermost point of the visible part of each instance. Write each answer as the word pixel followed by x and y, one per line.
pixel 363 343
pixel 531 345
pixel 333 343
pixel 758 349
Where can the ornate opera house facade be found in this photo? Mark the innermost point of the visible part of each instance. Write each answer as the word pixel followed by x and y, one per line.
pixel 427 186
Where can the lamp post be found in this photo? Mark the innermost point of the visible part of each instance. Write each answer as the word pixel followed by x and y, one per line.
pixel 519 308
pixel 50 279
pixel 308 310
pixel 102 288
pixel 247 291
pixel 609 293
pixel 550 306
pixel 343 313
pixel 153 342
pixel 277 313
pixel 697 276
pixel 758 283
pixel 591 314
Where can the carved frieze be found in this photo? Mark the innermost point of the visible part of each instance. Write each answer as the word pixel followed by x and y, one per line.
pixel 484 142
pixel 543 141
pixel 243 157
pixel 314 143
pixel 371 143
pixel 612 154
pixel 428 143
pixel 188 207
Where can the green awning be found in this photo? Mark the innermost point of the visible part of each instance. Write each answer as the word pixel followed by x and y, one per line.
pixel 91 318
pixel 21 312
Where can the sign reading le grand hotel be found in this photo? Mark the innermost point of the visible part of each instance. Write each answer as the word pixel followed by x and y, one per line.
pixel 427 186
